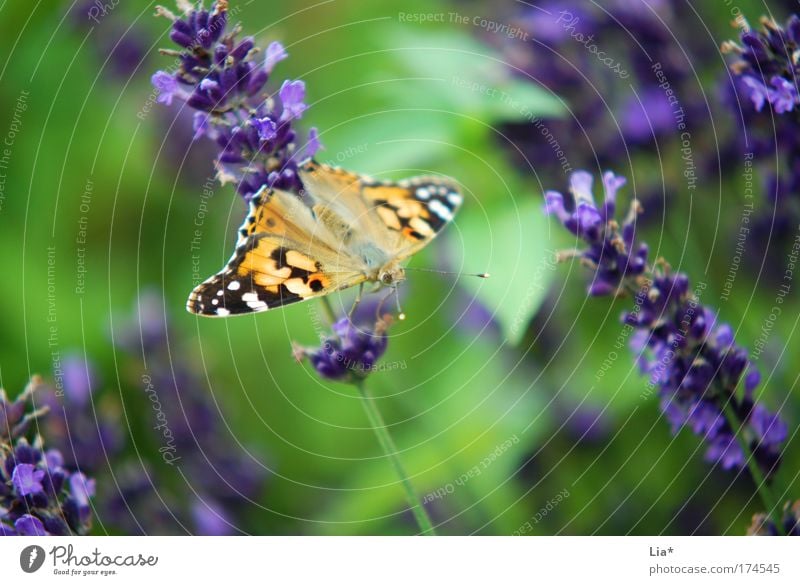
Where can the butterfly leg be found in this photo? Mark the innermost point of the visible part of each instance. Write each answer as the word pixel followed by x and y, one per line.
pixel 356 302
pixel 392 291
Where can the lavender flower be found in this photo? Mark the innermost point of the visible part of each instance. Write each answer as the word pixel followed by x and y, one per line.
pixel 768 63
pixel 226 478
pixel 83 427
pixel 38 496
pixel 351 353
pixel 686 353
pixel 763 98
pixel 223 78
pixel 762 525
pixel 622 72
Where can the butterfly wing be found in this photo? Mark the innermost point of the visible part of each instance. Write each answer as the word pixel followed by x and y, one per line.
pixel 402 217
pixel 283 256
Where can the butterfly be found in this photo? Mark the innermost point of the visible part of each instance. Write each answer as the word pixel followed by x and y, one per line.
pixel 344 230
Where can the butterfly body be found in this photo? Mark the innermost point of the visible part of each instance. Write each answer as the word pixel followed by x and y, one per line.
pixel 345 230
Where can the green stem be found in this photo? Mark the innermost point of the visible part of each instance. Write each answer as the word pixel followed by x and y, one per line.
pixel 390 450
pixel 327 308
pixel 765 493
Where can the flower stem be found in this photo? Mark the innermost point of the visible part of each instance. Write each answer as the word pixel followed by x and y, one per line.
pixel 327 308
pixel 765 493
pixel 390 450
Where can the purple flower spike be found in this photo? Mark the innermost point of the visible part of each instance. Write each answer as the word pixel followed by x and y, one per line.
pixel 292 94
pixel 166 86
pixel 678 343
pixel 223 78
pixel 27 480
pixel 768 66
pixel 35 495
pixel 351 353
pixel 763 525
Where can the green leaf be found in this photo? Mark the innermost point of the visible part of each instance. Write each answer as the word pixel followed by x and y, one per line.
pixel 510 241
pixel 456 73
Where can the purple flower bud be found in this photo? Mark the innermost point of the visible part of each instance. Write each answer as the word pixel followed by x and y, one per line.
pixel 351 352
pixel 751 381
pixel 313 145
pixel 769 428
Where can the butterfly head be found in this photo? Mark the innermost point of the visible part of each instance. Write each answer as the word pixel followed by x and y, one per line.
pixel 391 274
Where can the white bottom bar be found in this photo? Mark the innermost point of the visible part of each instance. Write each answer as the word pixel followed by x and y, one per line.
pixel 402 560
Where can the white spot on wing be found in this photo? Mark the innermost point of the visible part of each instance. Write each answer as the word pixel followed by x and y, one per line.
pixel 250 297
pixel 223 312
pixel 441 210
pixel 234 285
pixel 454 199
pixel 423 193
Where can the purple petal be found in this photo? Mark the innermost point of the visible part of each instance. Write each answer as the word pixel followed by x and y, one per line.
pixel 200 125
pixel 580 185
pixel 292 94
pixel 769 428
pixel 54 459
pixel 554 205
pixel 28 525
pixel 166 85
pixel 275 54
pixel 27 480
pixel 612 183
pixel 587 216
pixel 785 95
pixel 759 93
pixel 267 128
pixel 601 288
pixel 81 488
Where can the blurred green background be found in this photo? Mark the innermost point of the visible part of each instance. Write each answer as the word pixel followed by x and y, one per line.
pixel 389 99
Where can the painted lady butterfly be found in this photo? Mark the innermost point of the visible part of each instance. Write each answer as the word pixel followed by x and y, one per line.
pixel 346 230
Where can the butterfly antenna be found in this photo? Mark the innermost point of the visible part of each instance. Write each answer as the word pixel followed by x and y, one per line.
pixel 478 274
pixel 400 314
